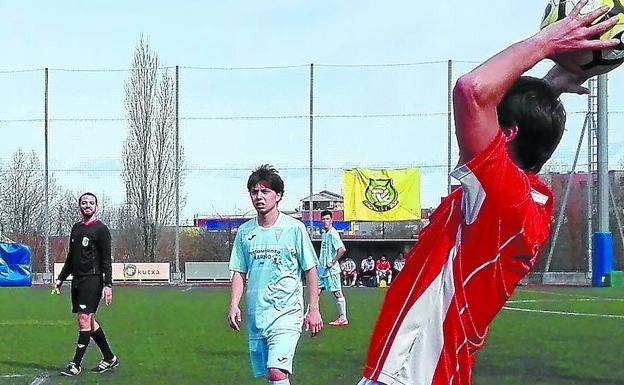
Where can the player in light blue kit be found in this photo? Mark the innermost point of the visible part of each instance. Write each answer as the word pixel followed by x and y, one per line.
pixel 272 251
pixel 332 249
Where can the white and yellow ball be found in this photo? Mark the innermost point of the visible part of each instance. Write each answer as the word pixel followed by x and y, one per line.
pixel 590 62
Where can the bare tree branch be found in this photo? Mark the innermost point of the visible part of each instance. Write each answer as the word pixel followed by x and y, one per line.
pixel 149 150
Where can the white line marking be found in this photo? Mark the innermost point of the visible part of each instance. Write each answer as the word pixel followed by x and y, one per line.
pixel 564 313
pixel 555 293
pixel 34 323
pixel 40 379
pixel 566 300
pixel 187 289
pixel 13 375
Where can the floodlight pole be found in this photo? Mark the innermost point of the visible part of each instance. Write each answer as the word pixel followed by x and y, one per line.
pixel 449 122
pixel 311 201
pixel 603 154
pixel 47 180
pixel 177 172
pixel 602 259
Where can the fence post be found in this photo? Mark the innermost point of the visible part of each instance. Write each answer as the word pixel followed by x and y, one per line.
pixel 311 219
pixel 47 277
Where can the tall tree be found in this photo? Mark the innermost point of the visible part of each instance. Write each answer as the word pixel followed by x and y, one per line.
pixel 65 213
pixel 22 202
pixel 149 150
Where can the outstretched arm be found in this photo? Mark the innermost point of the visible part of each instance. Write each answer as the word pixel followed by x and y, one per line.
pixel 478 93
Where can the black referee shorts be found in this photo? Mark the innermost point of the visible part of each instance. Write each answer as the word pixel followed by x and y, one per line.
pixel 86 293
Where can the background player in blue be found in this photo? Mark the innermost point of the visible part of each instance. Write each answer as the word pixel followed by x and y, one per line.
pixel 272 251
pixel 332 249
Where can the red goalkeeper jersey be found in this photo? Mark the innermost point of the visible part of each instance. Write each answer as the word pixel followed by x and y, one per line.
pixel 482 239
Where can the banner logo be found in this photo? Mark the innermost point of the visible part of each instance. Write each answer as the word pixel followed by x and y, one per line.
pixel 129 270
pixel 381 196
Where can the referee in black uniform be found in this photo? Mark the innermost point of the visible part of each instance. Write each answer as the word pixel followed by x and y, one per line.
pixel 89 262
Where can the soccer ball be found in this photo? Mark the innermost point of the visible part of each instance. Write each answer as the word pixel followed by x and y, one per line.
pixel 589 62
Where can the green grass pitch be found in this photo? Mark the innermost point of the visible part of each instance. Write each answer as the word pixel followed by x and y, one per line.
pixel 173 335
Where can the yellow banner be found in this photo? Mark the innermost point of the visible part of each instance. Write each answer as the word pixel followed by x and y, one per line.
pixel 381 195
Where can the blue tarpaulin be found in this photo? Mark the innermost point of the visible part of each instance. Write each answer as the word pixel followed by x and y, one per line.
pixel 226 224
pixel 338 225
pixel 14 264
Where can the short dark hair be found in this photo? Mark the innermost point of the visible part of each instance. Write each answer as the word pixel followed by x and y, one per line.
pixel 532 107
pixel 266 173
pixel 327 212
pixel 85 194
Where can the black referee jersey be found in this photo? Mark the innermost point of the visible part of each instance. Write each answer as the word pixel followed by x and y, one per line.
pixel 89 252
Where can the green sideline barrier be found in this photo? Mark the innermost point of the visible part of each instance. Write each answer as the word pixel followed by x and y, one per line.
pixel 615 279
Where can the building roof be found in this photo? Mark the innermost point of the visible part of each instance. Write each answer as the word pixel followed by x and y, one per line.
pixel 325 196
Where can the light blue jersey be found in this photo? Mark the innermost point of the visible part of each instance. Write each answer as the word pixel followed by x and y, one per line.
pixel 273 259
pixel 330 243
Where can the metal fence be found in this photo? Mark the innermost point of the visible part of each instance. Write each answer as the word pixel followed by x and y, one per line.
pixel 310 121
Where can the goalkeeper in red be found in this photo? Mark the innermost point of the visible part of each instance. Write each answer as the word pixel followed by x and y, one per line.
pixel 485 236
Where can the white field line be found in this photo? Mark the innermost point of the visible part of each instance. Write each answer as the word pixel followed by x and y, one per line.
pixel 564 313
pixel 34 323
pixel 13 375
pixel 40 379
pixel 557 294
pixel 566 300
pixel 575 314
pixel 187 289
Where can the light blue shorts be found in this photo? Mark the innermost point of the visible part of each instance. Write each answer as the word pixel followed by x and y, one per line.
pixel 330 283
pixel 276 351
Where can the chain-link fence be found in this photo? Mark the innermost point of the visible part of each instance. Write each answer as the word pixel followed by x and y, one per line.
pixel 310 121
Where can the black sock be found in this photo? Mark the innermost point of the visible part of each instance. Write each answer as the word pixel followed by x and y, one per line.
pixel 81 346
pixel 100 339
